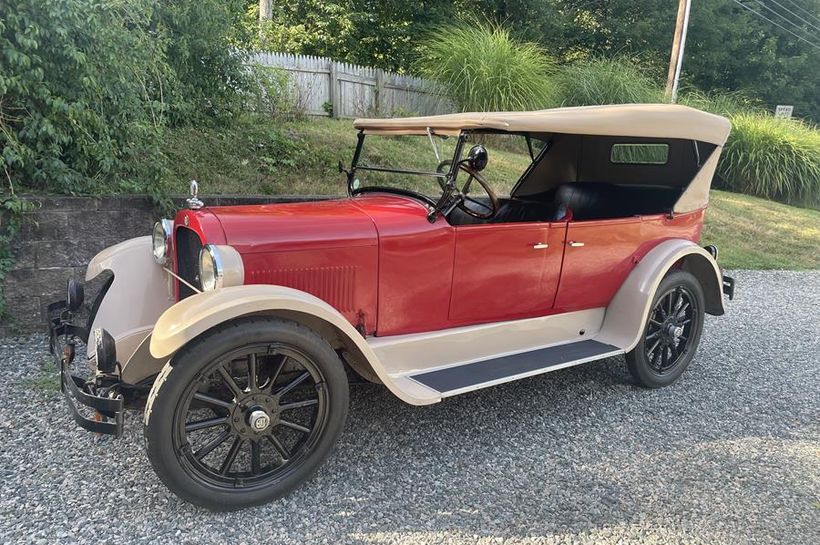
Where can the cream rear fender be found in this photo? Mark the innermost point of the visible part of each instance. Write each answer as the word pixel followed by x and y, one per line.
pixel 140 293
pixel 626 315
pixel 199 313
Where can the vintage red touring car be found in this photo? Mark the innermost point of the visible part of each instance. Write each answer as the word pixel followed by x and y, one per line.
pixel 503 246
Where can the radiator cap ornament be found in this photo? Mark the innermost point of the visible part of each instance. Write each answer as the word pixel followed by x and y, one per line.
pixel 193 202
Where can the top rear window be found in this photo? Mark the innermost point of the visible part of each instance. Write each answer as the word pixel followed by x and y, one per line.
pixel 639 154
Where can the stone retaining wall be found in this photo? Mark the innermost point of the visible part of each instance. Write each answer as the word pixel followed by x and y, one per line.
pixel 62 234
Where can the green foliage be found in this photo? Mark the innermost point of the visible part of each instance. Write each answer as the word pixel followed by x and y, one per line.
pixel 384 34
pixel 728 47
pixel 721 103
pixel 79 84
pixel 482 68
pixel 269 91
pixel 88 86
pixel 606 81
pixel 773 158
pixel 207 71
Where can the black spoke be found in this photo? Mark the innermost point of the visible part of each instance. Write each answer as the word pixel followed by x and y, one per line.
pixel 229 459
pixel 296 382
pixel 226 376
pixel 209 447
pixel 256 464
pixel 278 370
pixel 252 382
pixel 213 401
pixel 203 424
pixel 654 359
pixel 298 404
pixel 280 448
pixel 294 426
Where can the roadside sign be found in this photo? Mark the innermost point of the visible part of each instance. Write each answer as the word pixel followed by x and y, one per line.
pixel 783 111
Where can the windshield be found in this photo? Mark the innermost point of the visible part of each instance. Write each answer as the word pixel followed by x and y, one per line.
pixel 414 160
pixel 411 162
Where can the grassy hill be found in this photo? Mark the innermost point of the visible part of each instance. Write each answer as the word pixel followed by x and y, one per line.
pixel 261 156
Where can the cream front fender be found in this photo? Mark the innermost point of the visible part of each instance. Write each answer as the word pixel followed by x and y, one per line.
pixel 626 315
pixel 195 315
pixel 140 292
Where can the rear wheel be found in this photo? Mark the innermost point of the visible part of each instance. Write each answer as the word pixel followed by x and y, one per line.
pixel 672 332
pixel 246 413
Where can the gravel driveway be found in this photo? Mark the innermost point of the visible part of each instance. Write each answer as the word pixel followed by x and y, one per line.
pixel 729 454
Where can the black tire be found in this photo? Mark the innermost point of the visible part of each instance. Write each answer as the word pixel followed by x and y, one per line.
pixel 672 332
pixel 298 382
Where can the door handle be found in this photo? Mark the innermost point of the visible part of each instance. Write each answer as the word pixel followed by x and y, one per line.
pixel 575 243
pixel 540 246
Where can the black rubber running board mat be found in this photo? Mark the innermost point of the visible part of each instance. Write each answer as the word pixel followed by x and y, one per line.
pixel 472 374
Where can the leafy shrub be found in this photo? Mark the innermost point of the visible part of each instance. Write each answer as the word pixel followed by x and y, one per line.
pixel 773 158
pixel 482 68
pixel 78 83
pixel 87 87
pixel 271 92
pixel 207 71
pixel 605 81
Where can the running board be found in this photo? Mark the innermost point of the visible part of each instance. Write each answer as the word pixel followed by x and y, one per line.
pixel 458 379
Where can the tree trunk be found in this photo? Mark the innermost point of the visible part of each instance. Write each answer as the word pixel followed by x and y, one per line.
pixel 265 9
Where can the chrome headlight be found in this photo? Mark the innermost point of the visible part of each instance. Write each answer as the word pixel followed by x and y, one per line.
pixel 161 240
pixel 211 271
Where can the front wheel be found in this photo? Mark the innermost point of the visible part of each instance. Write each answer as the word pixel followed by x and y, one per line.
pixel 245 413
pixel 672 332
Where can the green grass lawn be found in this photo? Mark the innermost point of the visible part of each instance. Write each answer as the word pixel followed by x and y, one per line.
pixel 754 233
pixel 261 156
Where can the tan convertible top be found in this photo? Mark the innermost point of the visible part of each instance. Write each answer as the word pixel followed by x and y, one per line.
pixel 647 120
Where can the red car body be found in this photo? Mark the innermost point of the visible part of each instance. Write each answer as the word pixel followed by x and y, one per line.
pixel 378 261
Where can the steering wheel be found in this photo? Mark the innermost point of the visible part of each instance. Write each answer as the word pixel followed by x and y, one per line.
pixel 491 209
pixel 442 168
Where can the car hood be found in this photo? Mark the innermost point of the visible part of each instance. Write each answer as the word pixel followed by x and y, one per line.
pixel 296 226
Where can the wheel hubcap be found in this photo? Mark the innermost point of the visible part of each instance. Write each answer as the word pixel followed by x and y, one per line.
pixel 259 420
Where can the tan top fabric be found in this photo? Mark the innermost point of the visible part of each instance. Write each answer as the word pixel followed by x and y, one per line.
pixel 648 120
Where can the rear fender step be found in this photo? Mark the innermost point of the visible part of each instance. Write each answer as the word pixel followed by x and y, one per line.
pixel 462 378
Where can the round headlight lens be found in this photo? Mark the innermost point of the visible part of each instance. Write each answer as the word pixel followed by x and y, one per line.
pixel 210 268
pixel 161 237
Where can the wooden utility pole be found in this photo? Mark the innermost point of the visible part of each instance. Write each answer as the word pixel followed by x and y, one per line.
pixel 265 9
pixel 678 43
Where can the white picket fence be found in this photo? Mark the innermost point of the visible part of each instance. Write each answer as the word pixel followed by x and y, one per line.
pixel 326 87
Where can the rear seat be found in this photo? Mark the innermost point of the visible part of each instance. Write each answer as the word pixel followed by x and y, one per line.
pixel 601 200
pixel 583 200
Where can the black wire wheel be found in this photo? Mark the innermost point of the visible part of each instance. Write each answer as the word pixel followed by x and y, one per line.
pixel 672 332
pixel 246 413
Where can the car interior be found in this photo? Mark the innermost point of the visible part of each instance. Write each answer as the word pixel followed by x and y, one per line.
pixel 583 178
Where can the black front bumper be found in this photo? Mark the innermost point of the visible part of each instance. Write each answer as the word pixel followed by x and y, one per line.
pixel 62 339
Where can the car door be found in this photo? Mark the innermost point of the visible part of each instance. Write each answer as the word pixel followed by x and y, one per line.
pixel 599 256
pixel 505 271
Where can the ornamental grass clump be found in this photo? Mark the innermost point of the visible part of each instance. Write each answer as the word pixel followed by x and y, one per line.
pixel 481 67
pixel 606 81
pixel 773 158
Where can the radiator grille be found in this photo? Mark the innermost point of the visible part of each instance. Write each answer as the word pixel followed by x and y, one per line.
pixel 334 285
pixel 187 246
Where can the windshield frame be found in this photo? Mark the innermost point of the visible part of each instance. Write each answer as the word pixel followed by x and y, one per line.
pixel 436 205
